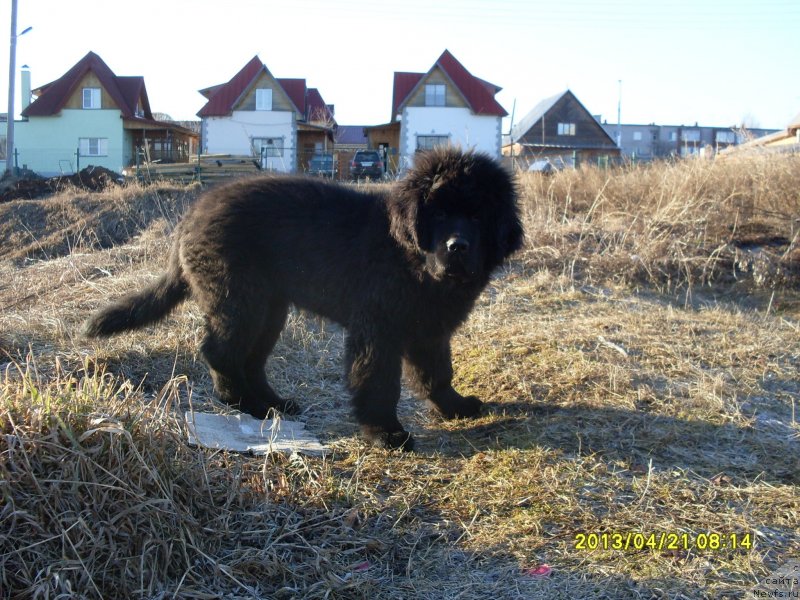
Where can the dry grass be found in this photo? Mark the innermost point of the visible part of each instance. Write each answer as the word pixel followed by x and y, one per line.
pixel 620 403
pixel 671 225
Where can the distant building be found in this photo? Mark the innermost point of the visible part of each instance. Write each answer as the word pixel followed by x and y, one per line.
pixel 559 131
pixel 649 142
pixel 281 121
pixel 447 105
pixel 91 116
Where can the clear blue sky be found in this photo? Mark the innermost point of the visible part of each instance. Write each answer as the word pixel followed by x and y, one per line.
pixel 717 62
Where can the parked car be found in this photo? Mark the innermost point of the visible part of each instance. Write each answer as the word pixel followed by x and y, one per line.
pixel 322 165
pixel 550 165
pixel 366 163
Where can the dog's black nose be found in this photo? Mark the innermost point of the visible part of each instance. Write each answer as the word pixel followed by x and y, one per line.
pixel 457 245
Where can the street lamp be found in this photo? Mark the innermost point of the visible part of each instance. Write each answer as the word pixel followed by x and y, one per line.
pixel 12 59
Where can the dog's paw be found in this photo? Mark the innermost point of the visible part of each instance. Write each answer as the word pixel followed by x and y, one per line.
pixel 460 407
pixel 392 440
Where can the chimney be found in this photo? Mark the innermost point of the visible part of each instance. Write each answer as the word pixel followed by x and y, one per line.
pixel 25 87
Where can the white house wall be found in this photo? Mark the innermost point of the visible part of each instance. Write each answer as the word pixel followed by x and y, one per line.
pixel 466 130
pixel 233 135
pixel 48 145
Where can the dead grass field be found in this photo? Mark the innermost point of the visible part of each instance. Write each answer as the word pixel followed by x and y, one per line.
pixel 641 357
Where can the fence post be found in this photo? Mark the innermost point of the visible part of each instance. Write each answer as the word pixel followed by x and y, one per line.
pixel 16 161
pixel 78 160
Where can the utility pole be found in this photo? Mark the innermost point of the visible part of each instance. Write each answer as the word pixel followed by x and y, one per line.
pixel 619 117
pixel 12 78
pixel 12 67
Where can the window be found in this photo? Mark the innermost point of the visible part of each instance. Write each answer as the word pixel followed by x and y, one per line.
pixel 263 99
pixel 726 137
pixel 637 136
pixel 673 136
pixel 691 135
pixel 93 146
pixel 91 98
pixel 566 129
pixel 435 94
pixel 428 142
pixel 268 146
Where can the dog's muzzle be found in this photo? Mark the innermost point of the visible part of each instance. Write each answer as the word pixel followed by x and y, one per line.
pixel 457 245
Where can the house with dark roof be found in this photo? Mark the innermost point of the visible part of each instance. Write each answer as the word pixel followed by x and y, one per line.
pixel 281 122
pixel 444 105
pixel 559 129
pixel 90 116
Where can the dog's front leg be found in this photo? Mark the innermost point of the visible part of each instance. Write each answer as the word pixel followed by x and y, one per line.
pixel 373 377
pixel 429 371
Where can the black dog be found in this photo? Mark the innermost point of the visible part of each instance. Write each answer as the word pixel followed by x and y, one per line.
pixel 400 271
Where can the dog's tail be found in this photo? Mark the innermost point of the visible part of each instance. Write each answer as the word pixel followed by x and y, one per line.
pixel 143 307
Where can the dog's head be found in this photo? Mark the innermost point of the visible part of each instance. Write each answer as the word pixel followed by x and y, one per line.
pixel 459 210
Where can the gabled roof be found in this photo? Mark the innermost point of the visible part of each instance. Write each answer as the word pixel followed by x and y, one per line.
pixel 535 115
pixel 478 93
pixel 224 97
pixel 539 111
pixel 403 84
pixel 125 91
pixel 316 109
pixel 296 90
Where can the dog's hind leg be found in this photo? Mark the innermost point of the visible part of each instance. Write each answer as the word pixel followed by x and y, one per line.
pixel 373 376
pixel 235 347
pixel 273 321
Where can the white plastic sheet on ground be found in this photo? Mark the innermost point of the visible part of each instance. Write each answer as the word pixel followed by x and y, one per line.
pixel 243 433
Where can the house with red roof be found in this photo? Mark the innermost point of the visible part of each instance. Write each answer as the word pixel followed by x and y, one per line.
pixel 90 116
pixel 281 122
pixel 447 105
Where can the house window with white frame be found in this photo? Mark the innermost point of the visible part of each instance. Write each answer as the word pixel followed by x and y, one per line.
pixel 435 94
pixel 429 142
pixel 93 146
pixel 269 147
pixel 566 129
pixel 263 99
pixel 91 98
pixel 725 137
pixel 637 136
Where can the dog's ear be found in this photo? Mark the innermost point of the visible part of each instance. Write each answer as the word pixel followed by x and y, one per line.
pixel 403 207
pixel 510 235
pixel 506 225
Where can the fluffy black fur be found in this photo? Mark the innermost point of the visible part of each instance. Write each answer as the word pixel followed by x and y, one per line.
pixel 400 271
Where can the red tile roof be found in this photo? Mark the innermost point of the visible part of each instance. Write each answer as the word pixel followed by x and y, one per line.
pixel 125 91
pixel 221 98
pixel 403 84
pixel 316 109
pixel 478 93
pixel 296 90
pixel 224 97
